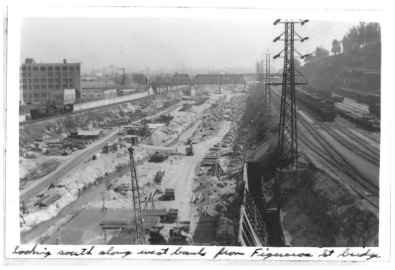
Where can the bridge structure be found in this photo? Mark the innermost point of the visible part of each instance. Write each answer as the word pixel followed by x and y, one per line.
pixel 183 80
pixel 220 79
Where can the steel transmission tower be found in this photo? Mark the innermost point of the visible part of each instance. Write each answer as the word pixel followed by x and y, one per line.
pixel 140 239
pixel 267 84
pixel 287 147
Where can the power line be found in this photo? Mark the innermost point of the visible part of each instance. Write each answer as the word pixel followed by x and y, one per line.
pixel 287 147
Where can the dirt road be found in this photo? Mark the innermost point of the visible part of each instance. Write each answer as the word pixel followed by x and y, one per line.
pixel 180 176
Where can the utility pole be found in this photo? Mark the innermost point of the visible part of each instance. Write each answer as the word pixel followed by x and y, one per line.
pixel 287 147
pixel 267 85
pixel 123 80
pixel 140 239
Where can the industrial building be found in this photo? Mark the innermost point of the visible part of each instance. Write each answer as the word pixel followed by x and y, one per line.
pixel 47 82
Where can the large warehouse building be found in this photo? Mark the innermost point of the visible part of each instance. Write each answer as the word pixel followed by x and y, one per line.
pixel 43 82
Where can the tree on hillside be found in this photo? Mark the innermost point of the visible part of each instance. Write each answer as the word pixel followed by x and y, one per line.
pixel 361 36
pixel 320 52
pixel 336 47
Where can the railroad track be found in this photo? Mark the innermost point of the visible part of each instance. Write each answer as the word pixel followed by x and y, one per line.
pixel 337 167
pixel 368 148
pixel 362 150
pixel 338 159
pixel 357 145
pixel 347 123
pixel 336 162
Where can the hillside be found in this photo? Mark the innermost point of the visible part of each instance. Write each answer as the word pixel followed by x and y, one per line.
pixel 325 73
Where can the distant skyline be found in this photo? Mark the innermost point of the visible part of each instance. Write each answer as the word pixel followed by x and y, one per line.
pixel 164 44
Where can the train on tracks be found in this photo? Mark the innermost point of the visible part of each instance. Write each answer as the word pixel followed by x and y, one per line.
pixel 48 110
pixel 321 107
pixel 368 122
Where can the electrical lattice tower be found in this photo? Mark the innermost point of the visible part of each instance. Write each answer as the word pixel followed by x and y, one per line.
pixel 287 148
pixel 267 85
pixel 140 239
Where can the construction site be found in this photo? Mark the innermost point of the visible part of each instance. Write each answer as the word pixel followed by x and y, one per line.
pixel 254 159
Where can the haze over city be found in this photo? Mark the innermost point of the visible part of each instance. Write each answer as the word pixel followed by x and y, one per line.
pixel 164 44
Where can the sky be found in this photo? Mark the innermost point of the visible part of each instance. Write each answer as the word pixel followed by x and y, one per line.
pixel 169 44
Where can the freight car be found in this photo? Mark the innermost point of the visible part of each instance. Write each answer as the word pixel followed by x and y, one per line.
pixel 375 109
pixel 337 98
pixel 322 108
pixel 368 122
pixel 44 111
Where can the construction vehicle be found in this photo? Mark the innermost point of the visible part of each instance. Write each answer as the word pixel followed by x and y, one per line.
pixel 169 194
pixel 157 235
pixel 179 235
pixel 189 150
pixel 159 176
pixel 172 215
pixel 158 157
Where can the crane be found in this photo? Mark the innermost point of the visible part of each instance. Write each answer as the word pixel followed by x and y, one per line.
pixel 140 239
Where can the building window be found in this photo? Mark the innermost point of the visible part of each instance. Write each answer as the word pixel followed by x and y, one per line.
pixel 36 80
pixel 42 68
pixel 24 95
pixel 72 86
pixel 50 80
pixel 30 80
pixel 65 74
pixel 43 80
pixel 36 87
pixel 65 80
pixel 71 68
pixel 36 95
pixel 78 68
pixel 24 68
pixel 24 87
pixel 35 68
pixel 50 68
pixel 29 68
pixel 50 74
pixel 64 68
pixel 24 81
pixel 43 95
pixel 57 68
pixel 64 85
pixel 24 74
pixel 43 87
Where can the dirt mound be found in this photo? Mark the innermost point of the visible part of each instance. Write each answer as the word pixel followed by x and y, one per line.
pixel 325 212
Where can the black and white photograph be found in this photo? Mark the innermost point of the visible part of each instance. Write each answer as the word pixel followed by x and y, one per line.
pixel 207 133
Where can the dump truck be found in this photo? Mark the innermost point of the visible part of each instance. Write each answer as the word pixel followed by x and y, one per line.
pixel 180 233
pixel 169 194
pixel 189 150
pixel 172 215
pixel 159 176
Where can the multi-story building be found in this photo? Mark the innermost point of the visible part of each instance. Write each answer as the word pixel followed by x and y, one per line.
pixel 43 82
